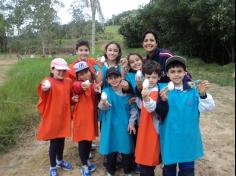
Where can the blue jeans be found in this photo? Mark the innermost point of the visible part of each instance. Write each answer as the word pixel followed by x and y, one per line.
pixel 185 169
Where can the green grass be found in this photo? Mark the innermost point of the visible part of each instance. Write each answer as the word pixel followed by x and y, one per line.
pixel 214 73
pixel 18 99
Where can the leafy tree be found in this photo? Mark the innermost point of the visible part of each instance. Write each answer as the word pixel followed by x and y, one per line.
pixel 202 28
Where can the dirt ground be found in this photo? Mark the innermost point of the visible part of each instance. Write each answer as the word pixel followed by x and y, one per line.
pixel 30 157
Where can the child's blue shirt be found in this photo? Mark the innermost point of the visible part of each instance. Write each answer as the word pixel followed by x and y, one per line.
pixel 114 135
pixel 180 135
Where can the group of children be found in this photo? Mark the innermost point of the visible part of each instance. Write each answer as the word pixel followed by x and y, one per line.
pixel 140 119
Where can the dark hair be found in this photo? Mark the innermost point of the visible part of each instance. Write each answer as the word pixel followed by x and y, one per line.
pixel 175 64
pixel 120 52
pixel 136 54
pixel 82 43
pixel 151 66
pixel 93 76
pixel 150 31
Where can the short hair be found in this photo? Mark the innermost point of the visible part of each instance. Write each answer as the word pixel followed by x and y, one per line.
pixel 150 31
pixel 82 43
pixel 151 66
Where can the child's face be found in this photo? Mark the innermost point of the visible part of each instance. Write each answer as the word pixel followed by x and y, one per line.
pixel 58 74
pixel 114 80
pixel 83 52
pixel 153 79
pixel 176 75
pixel 149 42
pixel 112 52
pixel 84 75
pixel 135 62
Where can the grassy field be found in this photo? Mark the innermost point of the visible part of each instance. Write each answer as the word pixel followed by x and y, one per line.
pixel 18 96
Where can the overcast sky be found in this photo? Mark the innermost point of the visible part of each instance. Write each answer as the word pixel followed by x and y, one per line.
pixel 109 8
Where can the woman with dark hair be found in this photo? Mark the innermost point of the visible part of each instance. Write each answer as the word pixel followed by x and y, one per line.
pixel 150 44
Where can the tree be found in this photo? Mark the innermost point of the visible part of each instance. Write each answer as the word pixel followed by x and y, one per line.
pixel 3 38
pixel 95 7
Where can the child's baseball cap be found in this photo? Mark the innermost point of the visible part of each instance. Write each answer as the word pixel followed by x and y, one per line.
pixel 59 64
pixel 112 71
pixel 79 66
pixel 175 59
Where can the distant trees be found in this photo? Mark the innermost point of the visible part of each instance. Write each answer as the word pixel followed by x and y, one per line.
pixel 95 7
pixel 202 28
pixel 31 26
pixel 3 25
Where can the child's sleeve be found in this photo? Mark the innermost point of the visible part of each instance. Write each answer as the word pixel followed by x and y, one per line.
pixel 151 105
pixel 77 87
pixel 133 114
pixel 206 103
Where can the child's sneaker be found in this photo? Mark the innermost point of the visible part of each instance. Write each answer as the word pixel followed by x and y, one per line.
pixel 91 167
pixel 64 165
pixel 53 171
pixel 93 147
pixel 128 174
pixel 85 171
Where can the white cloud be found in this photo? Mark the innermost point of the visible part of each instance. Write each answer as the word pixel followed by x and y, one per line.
pixel 109 8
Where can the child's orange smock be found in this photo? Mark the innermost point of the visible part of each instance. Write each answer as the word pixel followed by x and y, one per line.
pixel 54 108
pixel 147 151
pixel 71 73
pixel 85 122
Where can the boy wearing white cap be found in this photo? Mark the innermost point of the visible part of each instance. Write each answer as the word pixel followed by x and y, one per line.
pixel 180 135
pixel 54 108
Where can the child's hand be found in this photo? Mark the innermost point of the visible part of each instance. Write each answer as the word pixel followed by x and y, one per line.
pixel 85 85
pixel 105 104
pixel 144 93
pixel 203 87
pixel 97 87
pixel 75 98
pixel 139 83
pixel 124 62
pixel 132 100
pixel 99 62
pixel 46 85
pixel 163 96
pixel 124 84
pixel 131 129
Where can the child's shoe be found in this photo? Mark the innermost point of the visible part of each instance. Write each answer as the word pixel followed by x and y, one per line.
pixel 93 147
pixel 90 155
pixel 91 167
pixel 85 171
pixel 128 174
pixel 53 171
pixel 64 165
pixel 108 174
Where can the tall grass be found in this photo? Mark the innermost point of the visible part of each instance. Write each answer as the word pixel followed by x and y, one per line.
pixel 18 99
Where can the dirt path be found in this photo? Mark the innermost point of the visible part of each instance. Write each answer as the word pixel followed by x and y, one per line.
pixel 4 67
pixel 30 157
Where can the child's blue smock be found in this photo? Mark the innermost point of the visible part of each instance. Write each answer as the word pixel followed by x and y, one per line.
pixel 114 135
pixel 130 77
pixel 180 135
